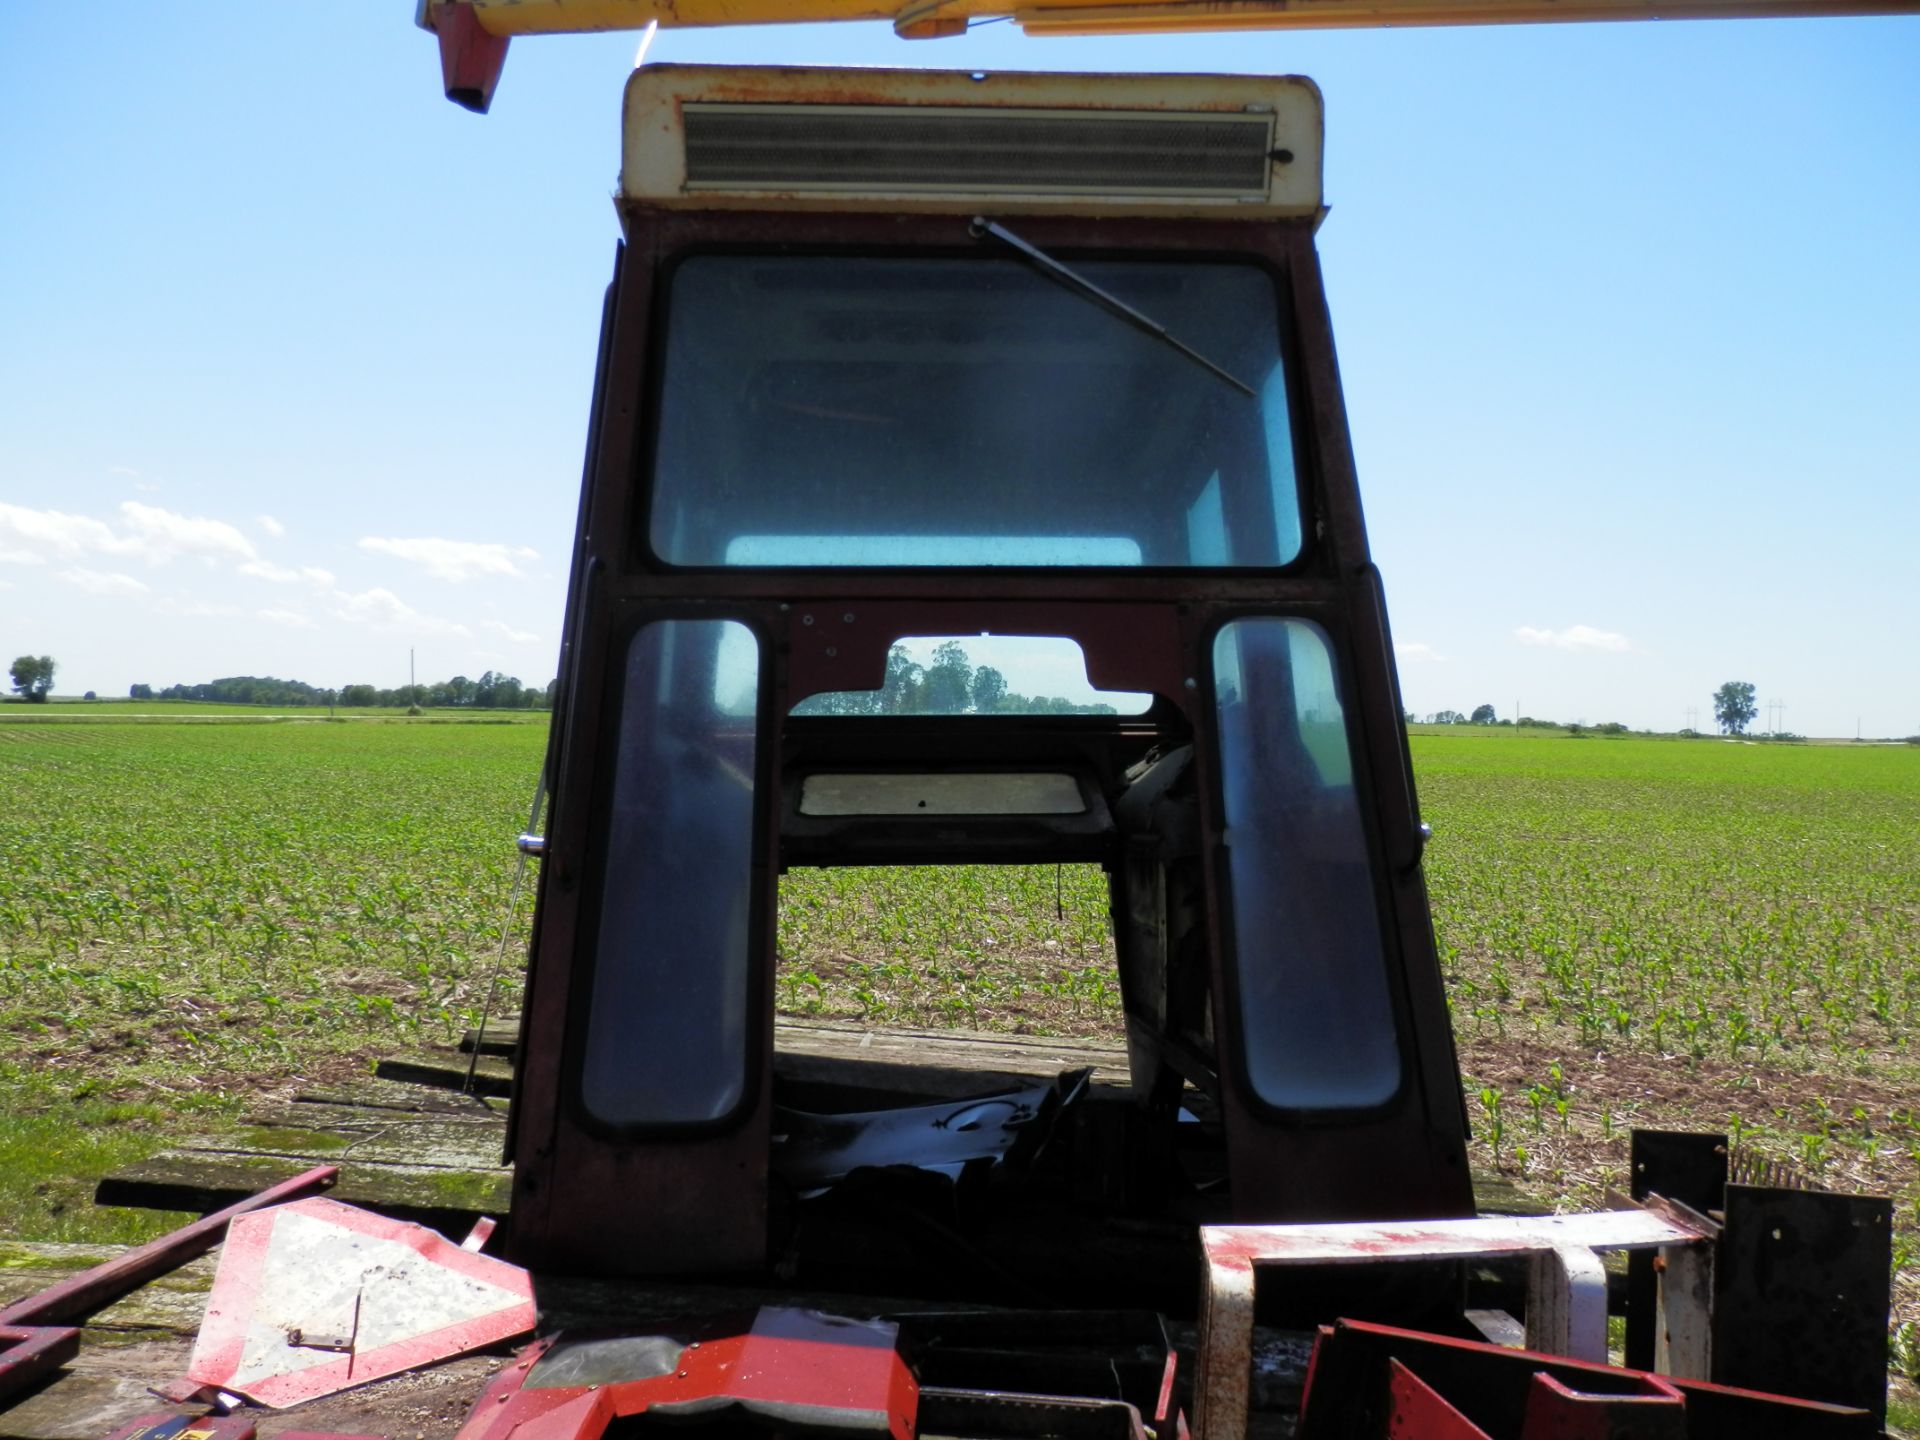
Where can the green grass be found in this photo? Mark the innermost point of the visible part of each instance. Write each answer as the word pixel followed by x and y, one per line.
pixel 190 914
pixel 1634 931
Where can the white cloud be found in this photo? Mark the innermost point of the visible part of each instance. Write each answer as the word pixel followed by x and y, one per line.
pixel 31 537
pixel 384 610
pixel 291 618
pixel 1574 637
pixel 100 582
pixel 196 609
pixel 147 532
pixel 163 534
pixel 1417 651
pixel 454 559
pixel 286 574
pixel 272 526
pixel 126 470
pixel 507 632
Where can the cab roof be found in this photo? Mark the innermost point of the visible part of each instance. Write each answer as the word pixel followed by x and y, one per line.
pixel 732 137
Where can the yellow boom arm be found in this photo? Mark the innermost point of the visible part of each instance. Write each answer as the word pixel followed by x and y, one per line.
pixel 474 33
pixel 926 18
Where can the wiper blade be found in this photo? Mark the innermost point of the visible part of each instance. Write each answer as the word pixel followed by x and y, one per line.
pixel 982 228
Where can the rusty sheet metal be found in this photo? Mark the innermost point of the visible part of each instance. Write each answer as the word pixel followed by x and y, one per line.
pixel 1801 1292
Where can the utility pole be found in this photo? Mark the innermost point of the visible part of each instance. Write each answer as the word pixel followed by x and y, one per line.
pixel 413 685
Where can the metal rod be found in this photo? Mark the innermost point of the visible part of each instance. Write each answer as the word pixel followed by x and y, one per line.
pixel 506 931
pixel 1112 304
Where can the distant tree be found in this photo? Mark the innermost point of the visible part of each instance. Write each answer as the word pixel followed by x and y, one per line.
pixel 1483 715
pixel 1448 717
pixel 358 696
pixel 140 692
pixel 948 682
pixel 33 677
pixel 901 694
pixel 89 696
pixel 1733 707
pixel 989 689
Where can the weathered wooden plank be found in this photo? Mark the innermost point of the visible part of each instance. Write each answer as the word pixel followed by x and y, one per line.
pixel 372 1093
pixel 443 1197
pixel 448 1070
pixel 173 1302
pixel 1495 1194
pixel 501 1037
pixel 1061 1051
pixel 105 1388
pixel 79 1406
pixel 400 1140
pixel 812 1035
pixel 359 1119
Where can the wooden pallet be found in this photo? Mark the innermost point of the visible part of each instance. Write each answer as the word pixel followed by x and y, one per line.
pixel 411 1144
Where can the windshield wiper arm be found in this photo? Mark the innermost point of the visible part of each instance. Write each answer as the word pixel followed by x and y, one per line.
pixel 982 228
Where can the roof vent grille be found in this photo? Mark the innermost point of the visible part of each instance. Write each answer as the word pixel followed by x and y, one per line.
pixel 927 150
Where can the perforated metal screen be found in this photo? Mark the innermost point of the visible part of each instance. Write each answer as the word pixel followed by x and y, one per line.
pixel 867 149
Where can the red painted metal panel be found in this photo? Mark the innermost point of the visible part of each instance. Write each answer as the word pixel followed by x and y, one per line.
pixel 1419 1412
pixel 1650 1410
pixel 470 58
pixel 1348 1388
pixel 785 1368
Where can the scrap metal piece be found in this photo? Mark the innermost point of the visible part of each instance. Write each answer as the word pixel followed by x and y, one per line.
pixel 813 1151
pixel 800 1371
pixel 1365 1376
pixel 1120 1356
pixel 1801 1291
pixel 1686 1166
pixel 314 1297
pixel 1566 1301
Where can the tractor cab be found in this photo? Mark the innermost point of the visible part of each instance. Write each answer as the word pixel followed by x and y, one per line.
pixel 1033 366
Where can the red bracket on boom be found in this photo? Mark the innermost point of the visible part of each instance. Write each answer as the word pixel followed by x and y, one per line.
pixel 470 58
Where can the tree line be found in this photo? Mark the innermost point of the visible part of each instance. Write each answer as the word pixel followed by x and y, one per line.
pixel 492 691
pixel 951 685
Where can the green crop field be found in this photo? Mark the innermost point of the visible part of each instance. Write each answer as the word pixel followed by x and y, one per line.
pixel 1635 932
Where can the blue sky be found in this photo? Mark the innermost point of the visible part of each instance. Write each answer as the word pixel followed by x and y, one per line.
pixel 295 356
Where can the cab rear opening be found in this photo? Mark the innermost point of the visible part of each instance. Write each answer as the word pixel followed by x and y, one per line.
pixel 1020 950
